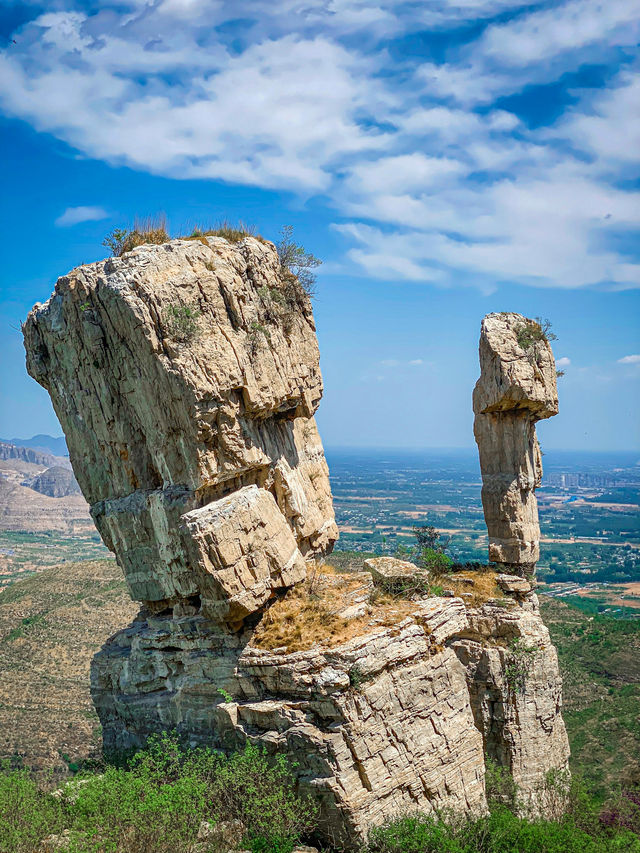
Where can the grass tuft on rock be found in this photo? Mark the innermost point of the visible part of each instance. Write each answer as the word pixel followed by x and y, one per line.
pixel 152 229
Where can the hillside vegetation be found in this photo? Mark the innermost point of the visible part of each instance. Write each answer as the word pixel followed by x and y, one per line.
pixel 169 799
pixel 51 625
pixel 600 664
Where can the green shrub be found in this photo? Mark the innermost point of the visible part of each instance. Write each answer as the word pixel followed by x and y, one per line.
pixel 181 322
pixel 296 265
pixel 259 792
pixel 27 814
pixel 499 832
pixel 518 662
pixel 499 785
pixel 157 803
pixel 257 334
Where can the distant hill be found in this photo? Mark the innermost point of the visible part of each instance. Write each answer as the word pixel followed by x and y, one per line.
pixel 31 455
pixel 23 509
pixel 54 444
pixel 51 624
pixel 56 482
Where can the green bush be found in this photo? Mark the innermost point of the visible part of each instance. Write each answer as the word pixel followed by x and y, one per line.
pixel 499 832
pixel 157 803
pixel 296 265
pixel 181 322
pixel 27 814
pixel 518 661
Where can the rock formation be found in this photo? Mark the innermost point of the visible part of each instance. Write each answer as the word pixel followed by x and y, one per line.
pixel 516 388
pixel 184 375
pixel 186 378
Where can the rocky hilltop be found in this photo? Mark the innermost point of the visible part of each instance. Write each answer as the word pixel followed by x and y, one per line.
pixel 186 377
pixel 29 455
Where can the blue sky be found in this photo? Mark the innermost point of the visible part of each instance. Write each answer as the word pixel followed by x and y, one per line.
pixel 444 159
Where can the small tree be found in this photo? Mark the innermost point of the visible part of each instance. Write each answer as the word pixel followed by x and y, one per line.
pixel 429 552
pixel 296 261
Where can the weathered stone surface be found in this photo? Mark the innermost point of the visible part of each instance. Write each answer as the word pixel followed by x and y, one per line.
pixel 516 693
pixel 158 425
pixel 516 388
pixel 513 584
pixel 390 570
pixel 404 739
pixel 206 476
pixel 244 550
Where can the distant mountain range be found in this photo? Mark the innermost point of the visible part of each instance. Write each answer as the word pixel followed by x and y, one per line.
pixel 54 444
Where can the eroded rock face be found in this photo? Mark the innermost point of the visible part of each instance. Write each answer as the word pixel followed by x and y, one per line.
pixel 516 692
pixel 516 388
pixel 182 374
pixel 378 726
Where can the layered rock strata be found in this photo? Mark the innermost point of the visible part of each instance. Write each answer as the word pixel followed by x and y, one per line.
pixel 516 388
pixel 186 378
pixel 377 726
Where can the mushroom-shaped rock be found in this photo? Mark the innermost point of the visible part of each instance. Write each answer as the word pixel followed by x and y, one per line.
pixel 516 388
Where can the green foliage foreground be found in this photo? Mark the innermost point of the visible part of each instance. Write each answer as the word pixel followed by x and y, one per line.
pixel 500 832
pixel 157 803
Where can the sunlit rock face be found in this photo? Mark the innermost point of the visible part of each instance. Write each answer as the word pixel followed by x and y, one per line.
pixel 516 388
pixel 182 374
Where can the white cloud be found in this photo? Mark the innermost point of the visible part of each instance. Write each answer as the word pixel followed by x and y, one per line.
pixel 563 362
pixel 75 215
pixel 399 364
pixel 629 359
pixel 286 97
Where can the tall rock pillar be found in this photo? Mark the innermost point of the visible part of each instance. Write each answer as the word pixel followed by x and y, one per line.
pixel 516 388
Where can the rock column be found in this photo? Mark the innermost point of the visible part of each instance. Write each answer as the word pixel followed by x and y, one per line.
pixel 516 388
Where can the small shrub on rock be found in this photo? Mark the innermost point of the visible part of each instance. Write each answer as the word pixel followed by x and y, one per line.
pixel 296 265
pixel 181 322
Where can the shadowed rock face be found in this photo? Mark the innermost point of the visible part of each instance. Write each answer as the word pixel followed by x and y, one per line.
pixel 182 376
pixel 516 388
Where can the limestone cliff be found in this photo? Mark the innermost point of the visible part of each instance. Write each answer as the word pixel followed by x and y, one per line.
pixel 186 378
pixel 516 388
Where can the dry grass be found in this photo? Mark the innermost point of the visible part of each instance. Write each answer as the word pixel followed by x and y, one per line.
pixel 151 229
pixel 476 594
pixel 309 614
pixel 233 232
